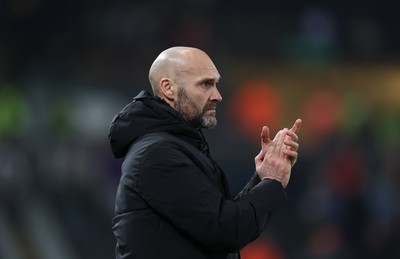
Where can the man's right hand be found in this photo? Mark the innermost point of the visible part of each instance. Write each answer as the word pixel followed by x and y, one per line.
pixel 277 156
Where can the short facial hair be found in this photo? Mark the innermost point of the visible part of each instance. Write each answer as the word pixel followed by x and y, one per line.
pixel 193 114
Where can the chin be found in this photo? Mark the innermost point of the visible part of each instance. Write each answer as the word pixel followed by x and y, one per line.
pixel 209 123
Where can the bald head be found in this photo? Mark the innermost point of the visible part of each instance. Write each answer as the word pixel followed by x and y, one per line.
pixel 186 79
pixel 172 62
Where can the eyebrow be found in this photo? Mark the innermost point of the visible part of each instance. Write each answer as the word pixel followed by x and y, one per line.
pixel 210 79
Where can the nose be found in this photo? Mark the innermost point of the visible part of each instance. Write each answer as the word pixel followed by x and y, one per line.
pixel 216 96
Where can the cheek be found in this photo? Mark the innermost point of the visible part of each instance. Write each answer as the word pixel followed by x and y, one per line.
pixel 201 104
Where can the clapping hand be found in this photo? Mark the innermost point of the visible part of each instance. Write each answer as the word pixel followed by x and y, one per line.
pixel 277 156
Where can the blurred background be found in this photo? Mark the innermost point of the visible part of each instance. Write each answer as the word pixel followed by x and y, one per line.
pixel 68 66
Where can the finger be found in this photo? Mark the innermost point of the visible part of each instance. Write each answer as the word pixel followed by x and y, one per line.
pixel 291 156
pixel 291 144
pixel 290 153
pixel 296 126
pixel 264 136
pixel 293 136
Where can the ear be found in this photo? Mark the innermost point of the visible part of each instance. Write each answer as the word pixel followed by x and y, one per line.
pixel 167 87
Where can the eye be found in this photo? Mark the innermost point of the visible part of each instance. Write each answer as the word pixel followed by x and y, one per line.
pixel 208 83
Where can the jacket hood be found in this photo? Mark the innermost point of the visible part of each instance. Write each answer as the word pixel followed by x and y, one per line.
pixel 146 114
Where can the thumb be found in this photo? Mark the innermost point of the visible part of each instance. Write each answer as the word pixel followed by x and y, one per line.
pixel 264 136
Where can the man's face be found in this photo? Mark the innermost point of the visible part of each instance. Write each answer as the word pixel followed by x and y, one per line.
pixel 196 94
pixel 197 113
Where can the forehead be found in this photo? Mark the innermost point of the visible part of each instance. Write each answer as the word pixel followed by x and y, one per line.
pixel 200 66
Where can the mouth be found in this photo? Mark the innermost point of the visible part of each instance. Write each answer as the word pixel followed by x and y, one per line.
pixel 213 111
pixel 211 108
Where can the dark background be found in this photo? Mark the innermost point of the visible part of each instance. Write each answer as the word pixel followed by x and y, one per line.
pixel 67 67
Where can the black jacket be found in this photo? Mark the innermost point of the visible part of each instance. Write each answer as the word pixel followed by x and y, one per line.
pixel 173 200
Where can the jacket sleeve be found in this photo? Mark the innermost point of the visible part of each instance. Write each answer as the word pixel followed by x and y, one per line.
pixel 182 194
pixel 254 180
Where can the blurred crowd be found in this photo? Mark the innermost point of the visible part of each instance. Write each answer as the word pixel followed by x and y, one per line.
pixel 67 67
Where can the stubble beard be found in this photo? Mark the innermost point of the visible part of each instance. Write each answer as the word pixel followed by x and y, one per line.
pixel 195 116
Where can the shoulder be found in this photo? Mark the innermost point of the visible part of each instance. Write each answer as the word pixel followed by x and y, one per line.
pixel 153 144
pixel 149 152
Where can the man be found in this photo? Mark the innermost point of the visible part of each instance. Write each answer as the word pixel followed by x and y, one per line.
pixel 173 199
